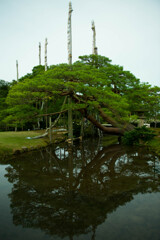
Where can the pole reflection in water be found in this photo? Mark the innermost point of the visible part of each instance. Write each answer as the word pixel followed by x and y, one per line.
pixel 69 192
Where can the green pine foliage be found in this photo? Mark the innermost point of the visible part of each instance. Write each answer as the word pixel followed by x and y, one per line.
pixel 138 135
pixel 93 82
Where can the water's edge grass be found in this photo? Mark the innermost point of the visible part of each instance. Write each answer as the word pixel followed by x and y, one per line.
pixel 12 143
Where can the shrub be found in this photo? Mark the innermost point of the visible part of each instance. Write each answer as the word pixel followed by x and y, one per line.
pixel 138 135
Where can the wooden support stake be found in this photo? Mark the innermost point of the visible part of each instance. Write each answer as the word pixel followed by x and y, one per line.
pixel 70 122
pixel 50 129
pixel 82 128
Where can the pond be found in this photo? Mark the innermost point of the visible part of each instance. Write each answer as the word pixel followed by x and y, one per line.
pixel 88 192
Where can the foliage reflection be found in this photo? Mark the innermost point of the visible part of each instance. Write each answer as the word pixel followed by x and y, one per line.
pixel 68 192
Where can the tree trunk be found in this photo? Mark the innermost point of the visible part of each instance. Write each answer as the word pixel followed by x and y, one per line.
pixel 117 129
pixel 126 126
pixel 109 130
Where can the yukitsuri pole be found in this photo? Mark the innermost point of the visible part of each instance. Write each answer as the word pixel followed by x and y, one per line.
pixel 45 54
pixel 17 69
pixel 39 64
pixel 17 80
pixel 39 53
pixel 45 64
pixel 69 32
pixel 94 48
pixel 95 52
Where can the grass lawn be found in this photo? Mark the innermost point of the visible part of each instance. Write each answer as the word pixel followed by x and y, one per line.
pixel 12 141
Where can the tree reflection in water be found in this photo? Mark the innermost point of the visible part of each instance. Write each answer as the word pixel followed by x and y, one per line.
pixel 68 192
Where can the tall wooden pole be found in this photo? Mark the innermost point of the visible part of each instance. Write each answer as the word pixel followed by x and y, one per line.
pixel 69 32
pixel 17 69
pixel 95 52
pixel 94 48
pixel 45 54
pixel 45 64
pixel 39 53
pixel 17 80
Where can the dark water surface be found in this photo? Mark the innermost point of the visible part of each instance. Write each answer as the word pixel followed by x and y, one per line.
pixel 85 193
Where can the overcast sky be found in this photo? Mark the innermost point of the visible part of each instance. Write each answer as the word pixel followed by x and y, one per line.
pixel 128 32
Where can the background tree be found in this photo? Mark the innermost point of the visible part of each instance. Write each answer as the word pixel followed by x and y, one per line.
pixel 4 89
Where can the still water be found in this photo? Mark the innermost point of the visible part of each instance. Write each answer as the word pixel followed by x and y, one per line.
pixel 89 192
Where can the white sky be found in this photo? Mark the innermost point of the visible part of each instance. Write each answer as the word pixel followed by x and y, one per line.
pixel 128 32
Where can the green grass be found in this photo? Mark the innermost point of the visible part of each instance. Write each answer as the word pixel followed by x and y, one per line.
pixel 10 142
